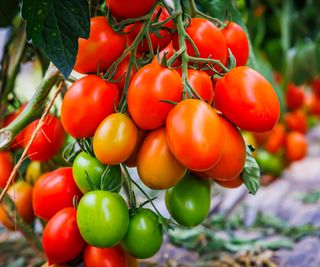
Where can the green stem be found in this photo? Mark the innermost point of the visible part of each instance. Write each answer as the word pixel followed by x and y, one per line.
pixel 128 187
pixel 208 60
pixel 33 110
pixel 196 12
pixel 93 7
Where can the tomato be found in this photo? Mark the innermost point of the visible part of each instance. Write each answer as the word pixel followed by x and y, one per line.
pixel 208 39
pixel 48 141
pixel 115 139
pixel 276 139
pixel 157 167
pixel 33 172
pixel 159 39
pixel 53 192
pixel 237 42
pixel 294 97
pixel 144 237
pixel 234 154
pixel 313 104
pixel 234 183
pixel 168 51
pixel 248 100
pixel 315 85
pixel 103 218
pixel 121 74
pixel 61 238
pixel 126 9
pixel 104 257
pixel 102 48
pixel 85 164
pixel 250 140
pixel 296 121
pixel 269 163
pixel 296 147
pixel 86 103
pixel 21 194
pixel 267 179
pixel 195 134
pixel 189 201
pixel 132 160
pixel 131 261
pixel 149 86
pixel 6 167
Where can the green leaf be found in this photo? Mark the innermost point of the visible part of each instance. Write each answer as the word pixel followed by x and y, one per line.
pixel 251 173
pixel 54 26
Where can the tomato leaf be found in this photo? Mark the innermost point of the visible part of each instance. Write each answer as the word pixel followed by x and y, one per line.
pixel 54 26
pixel 251 173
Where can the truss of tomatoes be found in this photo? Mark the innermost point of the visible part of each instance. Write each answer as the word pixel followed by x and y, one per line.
pixel 177 142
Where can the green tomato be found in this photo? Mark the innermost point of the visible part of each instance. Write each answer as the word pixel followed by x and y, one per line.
pixel 102 218
pixel 188 202
pixel 144 237
pixel 85 164
pixel 269 163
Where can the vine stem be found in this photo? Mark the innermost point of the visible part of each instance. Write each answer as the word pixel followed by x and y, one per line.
pixel 128 188
pixel 35 132
pixel 195 11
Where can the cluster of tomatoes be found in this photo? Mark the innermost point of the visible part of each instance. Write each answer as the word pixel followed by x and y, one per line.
pixel 180 135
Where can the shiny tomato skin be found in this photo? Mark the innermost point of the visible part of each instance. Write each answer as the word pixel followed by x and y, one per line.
pixel 86 104
pixel 132 160
pixel 294 96
pixel 149 86
pixel 159 40
pixel 248 100
pixel 157 167
pixel 102 48
pixel 209 40
pixel 234 183
pixel 6 167
pixel 195 134
pixel 53 192
pixel 115 139
pixel 296 121
pixel 126 9
pixel 237 42
pixel 234 154
pixel 104 257
pixel 188 202
pixel 48 140
pixel 296 147
pixel 276 139
pixel 61 238
pixel 21 194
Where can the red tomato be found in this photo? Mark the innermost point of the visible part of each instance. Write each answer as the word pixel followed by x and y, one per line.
pixel 248 100
pixel 126 9
pixel 48 140
pixel 235 183
pixel 313 104
pixel 86 104
pixel 61 240
pixel 53 192
pixel 104 257
pixel 315 84
pixel 296 121
pixel 168 51
pixel 209 40
pixel 149 86
pixel 237 42
pixel 102 48
pixel 160 39
pixel 157 167
pixel 6 167
pixel 276 139
pixel 21 194
pixel 296 146
pixel 195 134
pixel 121 74
pixel 234 154
pixel 294 97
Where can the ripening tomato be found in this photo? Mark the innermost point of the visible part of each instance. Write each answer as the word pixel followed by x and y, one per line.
pixel 86 104
pixel 276 139
pixel 296 121
pixel 122 73
pixel 104 257
pixel 234 154
pixel 189 201
pixel 21 194
pixel 152 84
pixel 126 9
pixel 115 139
pixel 159 39
pixel 157 167
pixel 34 171
pixel 61 238
pixel 48 140
pixel 53 192
pixel 208 39
pixel 144 236
pixel 6 167
pixel 313 104
pixel 296 146
pixel 234 183
pixel 294 97
pixel 132 160
pixel 102 48
pixel 269 163
pixel 248 100
pixel 131 261
pixel 103 218
pixel 195 134
pixel 237 42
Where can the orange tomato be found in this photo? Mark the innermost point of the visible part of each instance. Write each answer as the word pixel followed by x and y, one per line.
pixel 296 146
pixel 276 139
pixel 296 121
pixel 236 182
pixel 132 160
